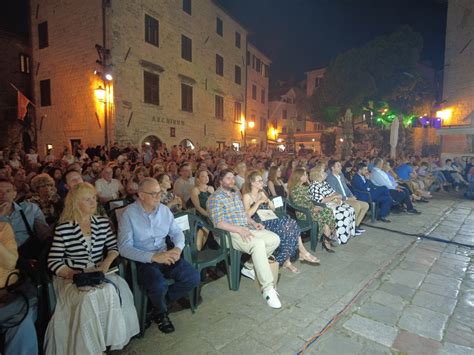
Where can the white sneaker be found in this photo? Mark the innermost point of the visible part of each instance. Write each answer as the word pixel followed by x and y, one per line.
pixel 271 296
pixel 250 273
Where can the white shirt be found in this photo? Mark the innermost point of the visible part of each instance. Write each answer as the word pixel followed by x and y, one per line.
pixel 108 190
pixel 340 184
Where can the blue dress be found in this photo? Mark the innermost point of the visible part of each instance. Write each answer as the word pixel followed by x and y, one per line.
pixel 288 231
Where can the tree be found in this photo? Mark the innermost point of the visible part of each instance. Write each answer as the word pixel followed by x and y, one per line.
pixel 383 68
pixel 328 143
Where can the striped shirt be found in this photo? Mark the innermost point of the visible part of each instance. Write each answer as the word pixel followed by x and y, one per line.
pixel 70 247
pixel 228 207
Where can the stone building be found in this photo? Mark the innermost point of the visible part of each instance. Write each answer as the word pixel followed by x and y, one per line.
pixel 457 113
pixel 177 66
pixel 15 68
pixel 313 80
pixel 258 66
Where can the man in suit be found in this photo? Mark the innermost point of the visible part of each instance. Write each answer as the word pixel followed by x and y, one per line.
pixel 338 182
pixel 363 188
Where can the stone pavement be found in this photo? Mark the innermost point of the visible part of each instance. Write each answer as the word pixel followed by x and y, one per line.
pixel 419 298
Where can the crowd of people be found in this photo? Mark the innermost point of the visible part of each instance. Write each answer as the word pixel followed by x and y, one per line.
pixel 62 205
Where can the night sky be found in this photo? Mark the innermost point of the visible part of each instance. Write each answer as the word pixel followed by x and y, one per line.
pixel 299 35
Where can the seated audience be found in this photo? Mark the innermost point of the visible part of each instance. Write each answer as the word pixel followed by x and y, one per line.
pixel 364 188
pixel 227 212
pixel 168 197
pixel 299 193
pixel 107 187
pixel 143 228
pixel 337 181
pixel 321 192
pixel 183 185
pixel 199 196
pixel 276 186
pixel 87 320
pixel 46 197
pixel 17 327
pixel 255 200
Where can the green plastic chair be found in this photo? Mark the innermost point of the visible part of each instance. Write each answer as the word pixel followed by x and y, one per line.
pixel 305 225
pixel 202 259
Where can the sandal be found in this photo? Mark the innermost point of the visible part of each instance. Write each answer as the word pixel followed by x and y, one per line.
pixel 291 267
pixel 307 257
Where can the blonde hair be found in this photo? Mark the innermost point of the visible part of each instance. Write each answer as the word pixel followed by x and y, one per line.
pixel 295 178
pixel 71 210
pixel 41 179
pixel 316 171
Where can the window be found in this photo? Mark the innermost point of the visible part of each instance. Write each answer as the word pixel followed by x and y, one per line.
pixel 237 39
pixel 186 97
pixel 24 63
pixel 258 65
pixel 317 82
pixel 187 6
pixel 43 34
pixel 284 114
pixel 151 30
pixel 151 85
pixel 237 111
pixel 262 98
pixel 219 26
pixel 219 107
pixel 45 92
pixel 254 61
pixel 248 58
pixel 219 65
pixel 186 48
pixel 238 75
pixel 283 130
pixel 263 124
pixel 254 92
pixel 265 70
pixel 172 131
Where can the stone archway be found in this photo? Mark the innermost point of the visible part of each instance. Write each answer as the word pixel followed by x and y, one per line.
pixel 152 141
pixel 187 143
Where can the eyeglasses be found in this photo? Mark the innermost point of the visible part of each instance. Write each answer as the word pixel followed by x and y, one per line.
pixel 153 194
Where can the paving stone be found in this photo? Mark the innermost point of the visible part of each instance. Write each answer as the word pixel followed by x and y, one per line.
pixel 335 343
pixel 447 290
pixel 459 333
pixel 434 302
pixel 454 349
pixel 372 330
pixel 442 280
pixel 387 299
pixel 414 266
pixel 405 277
pixel 245 345
pixel 414 344
pixel 372 348
pixel 423 322
pixel 380 313
pixel 403 291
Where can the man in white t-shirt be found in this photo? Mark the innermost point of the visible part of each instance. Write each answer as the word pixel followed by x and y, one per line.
pixel 108 188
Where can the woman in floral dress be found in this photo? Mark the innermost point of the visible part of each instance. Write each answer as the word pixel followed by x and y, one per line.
pixel 299 193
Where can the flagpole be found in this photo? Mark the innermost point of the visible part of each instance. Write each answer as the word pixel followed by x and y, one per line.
pixel 29 101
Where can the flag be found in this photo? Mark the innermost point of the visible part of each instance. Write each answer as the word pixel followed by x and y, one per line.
pixel 22 105
pixel 23 102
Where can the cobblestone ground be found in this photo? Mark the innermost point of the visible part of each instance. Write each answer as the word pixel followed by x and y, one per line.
pixel 414 297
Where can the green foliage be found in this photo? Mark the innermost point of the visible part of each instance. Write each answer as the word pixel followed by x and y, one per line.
pixel 382 69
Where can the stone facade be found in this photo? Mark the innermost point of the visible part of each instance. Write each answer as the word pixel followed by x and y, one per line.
pixel 283 111
pixel 313 80
pixel 74 29
pixel 15 51
pixel 458 87
pixel 258 66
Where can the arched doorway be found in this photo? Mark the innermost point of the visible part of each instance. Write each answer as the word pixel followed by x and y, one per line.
pixel 187 144
pixel 152 141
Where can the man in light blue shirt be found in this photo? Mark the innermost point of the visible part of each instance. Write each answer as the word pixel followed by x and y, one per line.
pixel 11 212
pixel 143 228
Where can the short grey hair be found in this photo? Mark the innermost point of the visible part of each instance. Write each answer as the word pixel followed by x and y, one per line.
pixel 145 181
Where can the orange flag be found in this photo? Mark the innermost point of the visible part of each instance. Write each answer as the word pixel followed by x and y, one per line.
pixel 22 105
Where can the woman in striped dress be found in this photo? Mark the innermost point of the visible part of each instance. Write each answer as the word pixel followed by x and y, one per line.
pixel 87 320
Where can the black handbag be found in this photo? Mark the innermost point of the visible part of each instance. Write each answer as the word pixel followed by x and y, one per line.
pixel 88 278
